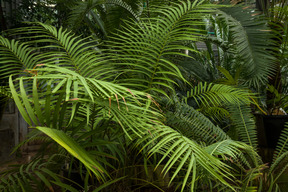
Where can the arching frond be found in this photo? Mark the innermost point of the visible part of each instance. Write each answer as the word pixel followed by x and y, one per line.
pixel 182 153
pixel 230 149
pixel 195 125
pixel 77 151
pixel 63 48
pixel 15 58
pixel 144 47
pixel 71 89
pixel 65 90
pixel 245 125
pixel 253 40
pixel 208 94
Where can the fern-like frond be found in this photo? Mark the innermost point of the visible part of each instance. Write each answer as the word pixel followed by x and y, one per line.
pixel 183 153
pixel 217 114
pixel 143 47
pixel 15 58
pixel 243 120
pixel 35 176
pixel 253 41
pixel 195 125
pixel 63 48
pixel 209 94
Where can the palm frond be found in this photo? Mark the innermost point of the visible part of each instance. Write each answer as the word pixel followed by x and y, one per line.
pixel 65 88
pixel 106 20
pixel 15 58
pixel 233 151
pixel 76 150
pixel 209 94
pixel 30 177
pixel 195 125
pixel 245 125
pixel 131 6
pixel 144 47
pixel 253 41
pixel 182 153
pixel 63 48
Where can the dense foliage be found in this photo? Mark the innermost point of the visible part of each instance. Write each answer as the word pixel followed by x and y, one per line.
pixel 142 104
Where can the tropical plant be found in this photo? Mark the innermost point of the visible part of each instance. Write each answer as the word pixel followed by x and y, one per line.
pixel 106 110
pixel 276 12
pixel 103 17
pixel 238 49
pixel 226 64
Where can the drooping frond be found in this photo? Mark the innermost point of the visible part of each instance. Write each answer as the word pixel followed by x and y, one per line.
pixel 242 119
pixel 195 125
pixel 76 150
pixel 65 90
pixel 182 153
pixel 253 40
pixel 59 98
pixel 233 151
pixel 15 58
pixel 63 48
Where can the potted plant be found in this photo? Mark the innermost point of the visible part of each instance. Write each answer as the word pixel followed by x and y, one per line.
pixel 69 87
pixel 270 121
pixel 72 87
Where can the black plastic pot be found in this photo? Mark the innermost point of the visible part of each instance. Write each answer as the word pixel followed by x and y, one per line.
pixel 273 125
pixel 269 128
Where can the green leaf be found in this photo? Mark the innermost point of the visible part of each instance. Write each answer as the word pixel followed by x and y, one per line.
pixel 76 150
